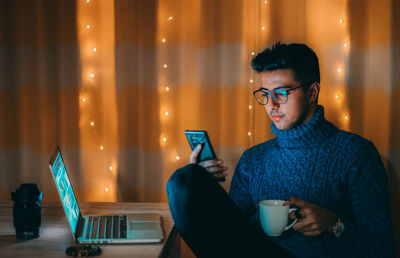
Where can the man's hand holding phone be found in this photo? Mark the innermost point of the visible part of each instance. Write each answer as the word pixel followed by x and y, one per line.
pixel 213 166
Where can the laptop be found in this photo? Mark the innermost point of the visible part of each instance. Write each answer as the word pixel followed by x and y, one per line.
pixel 104 228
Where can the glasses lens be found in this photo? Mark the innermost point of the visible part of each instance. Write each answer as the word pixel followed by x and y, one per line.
pixel 261 97
pixel 280 96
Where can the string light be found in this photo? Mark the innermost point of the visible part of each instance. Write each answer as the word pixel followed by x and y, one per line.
pixel 252 53
pixel 251 80
pixel 265 2
pixel 92 75
pixel 167 88
pixel 249 133
pixel 263 28
pixel 250 106
pixel 340 70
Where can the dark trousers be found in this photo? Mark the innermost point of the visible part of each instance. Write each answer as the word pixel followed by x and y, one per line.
pixel 210 222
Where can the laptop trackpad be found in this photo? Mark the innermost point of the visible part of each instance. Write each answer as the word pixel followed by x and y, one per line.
pixel 144 229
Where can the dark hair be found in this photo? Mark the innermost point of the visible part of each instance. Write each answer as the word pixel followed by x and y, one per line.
pixel 298 57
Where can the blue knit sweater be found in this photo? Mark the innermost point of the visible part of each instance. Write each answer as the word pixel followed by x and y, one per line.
pixel 337 170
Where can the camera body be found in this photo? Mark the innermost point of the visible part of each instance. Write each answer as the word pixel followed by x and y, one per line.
pixel 27 211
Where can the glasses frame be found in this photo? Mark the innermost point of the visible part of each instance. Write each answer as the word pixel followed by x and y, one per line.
pixel 274 90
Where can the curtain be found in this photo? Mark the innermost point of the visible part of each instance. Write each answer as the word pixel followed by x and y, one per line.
pixel 116 83
pixel 39 84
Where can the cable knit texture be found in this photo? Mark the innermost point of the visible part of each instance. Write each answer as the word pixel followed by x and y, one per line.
pixel 321 164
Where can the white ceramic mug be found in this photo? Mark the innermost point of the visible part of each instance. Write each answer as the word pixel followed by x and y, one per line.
pixel 274 217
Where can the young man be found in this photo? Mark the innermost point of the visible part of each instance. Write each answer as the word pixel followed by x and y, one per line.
pixel 336 179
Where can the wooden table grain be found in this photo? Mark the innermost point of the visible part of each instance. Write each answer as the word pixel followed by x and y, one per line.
pixel 56 236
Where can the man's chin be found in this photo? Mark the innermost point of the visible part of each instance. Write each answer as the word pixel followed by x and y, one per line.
pixel 280 125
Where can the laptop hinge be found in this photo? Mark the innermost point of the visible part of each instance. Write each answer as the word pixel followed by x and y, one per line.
pixel 80 227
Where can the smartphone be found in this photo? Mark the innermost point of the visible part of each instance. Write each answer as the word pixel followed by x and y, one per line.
pixel 201 137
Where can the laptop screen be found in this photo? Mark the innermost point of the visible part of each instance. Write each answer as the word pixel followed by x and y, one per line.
pixel 65 190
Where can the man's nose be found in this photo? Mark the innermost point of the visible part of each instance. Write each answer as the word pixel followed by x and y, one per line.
pixel 272 104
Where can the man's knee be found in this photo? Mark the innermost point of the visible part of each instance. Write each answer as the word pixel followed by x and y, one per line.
pixel 182 191
pixel 183 179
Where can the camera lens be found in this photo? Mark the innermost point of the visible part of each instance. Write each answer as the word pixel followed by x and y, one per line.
pixel 27 211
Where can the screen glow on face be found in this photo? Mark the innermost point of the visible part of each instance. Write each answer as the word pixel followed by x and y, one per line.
pixel 67 195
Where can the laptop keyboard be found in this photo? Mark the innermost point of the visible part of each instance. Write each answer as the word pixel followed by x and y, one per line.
pixel 107 227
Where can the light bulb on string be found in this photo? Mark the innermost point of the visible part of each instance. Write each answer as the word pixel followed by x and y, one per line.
pixel 178 158
pixel 94 49
pixel 87 1
pixel 166 113
pixel 265 2
pixel 165 66
pixel 88 26
pixel 339 70
pixel 250 106
pixel 345 45
pixel 101 147
pixel 340 21
pixel 249 133
pixel 84 100
pixel 106 189
pixel 164 139
pixel 163 40
pixel 92 123
pixel 110 168
pixel 251 81
pixel 167 88
pixel 263 28
pixel 337 96
pixel 91 75
pixel 252 53
pixel 170 18
pixel 346 117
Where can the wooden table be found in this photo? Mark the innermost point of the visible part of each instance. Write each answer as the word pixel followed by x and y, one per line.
pixel 56 236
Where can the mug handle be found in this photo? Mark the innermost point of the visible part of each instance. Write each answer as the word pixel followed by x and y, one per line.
pixel 291 225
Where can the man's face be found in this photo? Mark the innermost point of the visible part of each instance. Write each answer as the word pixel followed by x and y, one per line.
pixel 296 110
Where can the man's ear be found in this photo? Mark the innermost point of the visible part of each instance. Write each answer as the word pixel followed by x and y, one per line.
pixel 313 92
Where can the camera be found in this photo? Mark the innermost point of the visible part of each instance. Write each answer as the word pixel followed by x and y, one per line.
pixel 27 211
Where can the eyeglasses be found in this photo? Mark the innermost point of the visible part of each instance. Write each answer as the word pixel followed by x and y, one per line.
pixel 279 95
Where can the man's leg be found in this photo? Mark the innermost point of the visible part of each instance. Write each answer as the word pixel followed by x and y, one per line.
pixel 209 221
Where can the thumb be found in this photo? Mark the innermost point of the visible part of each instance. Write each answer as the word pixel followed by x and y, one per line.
pixel 292 200
pixel 195 153
pixel 298 202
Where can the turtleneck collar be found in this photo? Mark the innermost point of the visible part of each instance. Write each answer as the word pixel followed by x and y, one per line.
pixel 310 133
